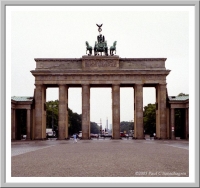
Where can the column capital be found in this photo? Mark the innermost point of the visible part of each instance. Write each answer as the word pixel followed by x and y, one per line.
pixel 116 84
pixel 62 85
pixel 138 85
pixel 38 85
pixel 162 84
pixel 85 85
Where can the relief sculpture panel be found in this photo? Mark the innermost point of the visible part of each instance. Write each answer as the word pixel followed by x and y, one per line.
pixel 100 63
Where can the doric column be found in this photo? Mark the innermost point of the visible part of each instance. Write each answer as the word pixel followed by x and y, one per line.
pixel 40 95
pixel 161 111
pixel 172 123
pixel 63 118
pixel 168 124
pixel 13 122
pixel 85 111
pixel 66 114
pixel 44 115
pixel 116 111
pixel 138 112
pixel 28 124
pixel 186 123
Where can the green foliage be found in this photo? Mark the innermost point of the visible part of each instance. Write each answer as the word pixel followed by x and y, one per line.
pixel 182 94
pixel 52 114
pixel 126 126
pixel 74 119
pixel 94 128
pixel 52 111
pixel 74 122
pixel 150 118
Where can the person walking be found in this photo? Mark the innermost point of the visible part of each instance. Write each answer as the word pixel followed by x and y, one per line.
pixel 75 138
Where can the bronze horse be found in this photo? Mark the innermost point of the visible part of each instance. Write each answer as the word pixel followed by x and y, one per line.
pixel 88 48
pixel 113 48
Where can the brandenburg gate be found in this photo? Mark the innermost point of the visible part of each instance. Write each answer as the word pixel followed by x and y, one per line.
pixel 100 71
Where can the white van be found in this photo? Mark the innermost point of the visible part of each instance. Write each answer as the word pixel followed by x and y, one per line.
pixel 80 134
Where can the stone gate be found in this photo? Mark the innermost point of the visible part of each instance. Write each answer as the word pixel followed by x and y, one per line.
pixel 100 71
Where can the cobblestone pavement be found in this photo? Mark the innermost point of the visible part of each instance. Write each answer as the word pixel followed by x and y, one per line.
pixel 100 158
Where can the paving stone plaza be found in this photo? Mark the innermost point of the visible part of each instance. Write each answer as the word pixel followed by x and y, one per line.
pixel 100 158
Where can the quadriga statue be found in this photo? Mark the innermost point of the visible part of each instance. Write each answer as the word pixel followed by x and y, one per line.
pixel 100 45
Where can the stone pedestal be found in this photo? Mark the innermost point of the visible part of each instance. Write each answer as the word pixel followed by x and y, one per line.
pixel 138 112
pixel 85 111
pixel 116 111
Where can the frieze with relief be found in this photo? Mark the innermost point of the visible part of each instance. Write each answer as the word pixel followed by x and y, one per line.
pixel 100 63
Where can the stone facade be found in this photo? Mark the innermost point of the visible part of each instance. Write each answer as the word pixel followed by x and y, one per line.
pixel 21 103
pixel 178 102
pixel 100 71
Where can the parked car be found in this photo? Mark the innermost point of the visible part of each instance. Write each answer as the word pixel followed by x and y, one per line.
pixel 51 134
pixel 123 135
pixel 92 135
pixel 23 137
pixel 106 134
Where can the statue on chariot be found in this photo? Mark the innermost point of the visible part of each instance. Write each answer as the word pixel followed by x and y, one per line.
pixel 100 45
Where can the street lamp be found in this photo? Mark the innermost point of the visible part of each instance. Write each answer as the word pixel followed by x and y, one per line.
pixel 52 119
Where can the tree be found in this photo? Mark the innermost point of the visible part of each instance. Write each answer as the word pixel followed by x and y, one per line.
pixel 149 117
pixel 94 128
pixel 52 110
pixel 182 94
pixel 52 114
pixel 126 126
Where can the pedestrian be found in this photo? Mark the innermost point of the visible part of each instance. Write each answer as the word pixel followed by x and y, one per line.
pixel 75 140
pixel 154 135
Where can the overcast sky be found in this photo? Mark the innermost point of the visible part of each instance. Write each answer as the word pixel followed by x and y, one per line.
pixel 61 32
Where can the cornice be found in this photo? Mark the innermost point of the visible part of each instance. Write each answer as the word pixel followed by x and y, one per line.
pixel 99 72
pixel 142 59
pixel 57 59
pixel 99 57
